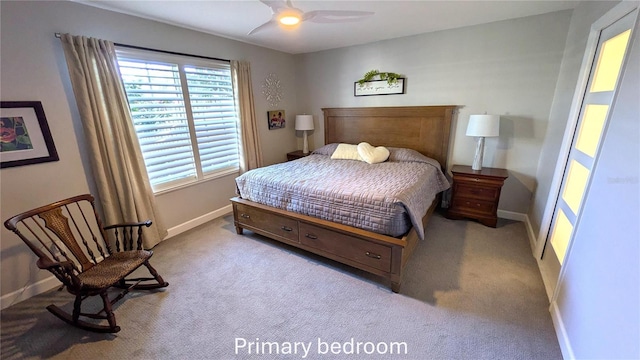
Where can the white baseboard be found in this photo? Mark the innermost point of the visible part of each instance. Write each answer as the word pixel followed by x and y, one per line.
pixel 561 333
pixel 525 219
pixel 51 282
pixel 29 291
pixel 179 229
pixel 512 215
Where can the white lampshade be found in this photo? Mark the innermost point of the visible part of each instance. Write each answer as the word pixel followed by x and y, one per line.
pixel 482 125
pixel 304 122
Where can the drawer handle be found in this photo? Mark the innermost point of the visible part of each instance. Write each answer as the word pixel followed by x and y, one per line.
pixel 286 228
pixel 372 255
pixel 311 236
pixel 476 179
pixel 245 216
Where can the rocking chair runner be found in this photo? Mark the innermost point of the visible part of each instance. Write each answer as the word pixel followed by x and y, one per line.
pixel 69 240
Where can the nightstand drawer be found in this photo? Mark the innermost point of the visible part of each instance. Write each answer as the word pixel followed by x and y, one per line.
pixel 476 192
pixel 471 180
pixel 474 206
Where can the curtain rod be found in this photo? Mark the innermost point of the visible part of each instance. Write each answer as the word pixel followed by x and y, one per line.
pixel 59 35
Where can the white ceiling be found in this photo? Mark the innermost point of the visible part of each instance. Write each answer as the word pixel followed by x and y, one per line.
pixel 392 19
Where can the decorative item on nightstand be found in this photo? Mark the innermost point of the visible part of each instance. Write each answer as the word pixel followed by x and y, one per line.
pixel 482 126
pixel 304 123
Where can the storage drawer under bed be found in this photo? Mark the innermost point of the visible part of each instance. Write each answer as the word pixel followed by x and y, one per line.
pixel 281 226
pixel 365 252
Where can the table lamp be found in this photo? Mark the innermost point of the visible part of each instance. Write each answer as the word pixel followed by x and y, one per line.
pixel 481 126
pixel 304 123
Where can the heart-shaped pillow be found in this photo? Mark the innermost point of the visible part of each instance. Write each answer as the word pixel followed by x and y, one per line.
pixel 372 155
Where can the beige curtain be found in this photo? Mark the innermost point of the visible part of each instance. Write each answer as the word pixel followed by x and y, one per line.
pixel 251 150
pixel 117 163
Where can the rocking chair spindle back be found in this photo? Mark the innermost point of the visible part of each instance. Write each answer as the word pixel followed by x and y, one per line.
pixel 69 240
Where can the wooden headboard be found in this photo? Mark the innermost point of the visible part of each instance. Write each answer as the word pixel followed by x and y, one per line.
pixel 425 129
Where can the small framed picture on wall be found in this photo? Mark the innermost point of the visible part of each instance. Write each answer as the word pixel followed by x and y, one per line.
pixel 276 119
pixel 24 134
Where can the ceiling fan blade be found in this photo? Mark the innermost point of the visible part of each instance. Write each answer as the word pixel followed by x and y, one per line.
pixel 276 5
pixel 266 25
pixel 336 16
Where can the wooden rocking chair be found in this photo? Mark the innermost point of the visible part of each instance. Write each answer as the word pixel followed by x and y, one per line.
pixel 69 240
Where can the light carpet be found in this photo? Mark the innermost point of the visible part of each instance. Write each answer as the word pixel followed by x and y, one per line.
pixel 469 292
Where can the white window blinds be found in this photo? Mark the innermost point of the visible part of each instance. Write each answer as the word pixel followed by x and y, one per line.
pixel 214 117
pixel 184 115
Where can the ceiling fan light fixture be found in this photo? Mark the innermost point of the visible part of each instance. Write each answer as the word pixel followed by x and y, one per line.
pixel 289 19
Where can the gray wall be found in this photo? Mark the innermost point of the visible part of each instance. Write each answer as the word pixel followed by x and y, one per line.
pixel 599 292
pixel 583 16
pixel 596 310
pixel 34 69
pixel 508 68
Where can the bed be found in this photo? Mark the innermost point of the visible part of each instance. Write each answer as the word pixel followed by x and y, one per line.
pixel 424 129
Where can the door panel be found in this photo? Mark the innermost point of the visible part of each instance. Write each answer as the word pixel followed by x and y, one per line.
pixel 589 132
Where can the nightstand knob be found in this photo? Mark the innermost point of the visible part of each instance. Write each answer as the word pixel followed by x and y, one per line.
pixel 476 179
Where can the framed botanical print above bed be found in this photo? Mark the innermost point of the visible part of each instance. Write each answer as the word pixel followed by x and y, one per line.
pixel 379 87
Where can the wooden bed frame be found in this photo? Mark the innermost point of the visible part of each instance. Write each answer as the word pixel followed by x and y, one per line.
pixel 422 128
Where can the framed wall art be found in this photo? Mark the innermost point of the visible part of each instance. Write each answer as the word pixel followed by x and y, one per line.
pixel 25 137
pixel 378 87
pixel 276 119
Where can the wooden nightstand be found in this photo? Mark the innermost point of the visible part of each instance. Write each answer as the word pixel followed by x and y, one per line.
pixel 296 155
pixel 475 194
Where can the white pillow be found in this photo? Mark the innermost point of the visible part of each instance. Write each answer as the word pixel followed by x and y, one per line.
pixel 372 155
pixel 346 152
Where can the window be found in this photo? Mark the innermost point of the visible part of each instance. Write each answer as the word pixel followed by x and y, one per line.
pixel 184 114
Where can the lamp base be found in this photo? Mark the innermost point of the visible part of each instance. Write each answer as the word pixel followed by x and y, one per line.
pixel 305 146
pixel 477 159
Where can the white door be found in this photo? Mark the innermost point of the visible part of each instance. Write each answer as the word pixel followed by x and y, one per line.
pixel 590 128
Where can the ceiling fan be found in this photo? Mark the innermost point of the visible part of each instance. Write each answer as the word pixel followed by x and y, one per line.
pixel 284 13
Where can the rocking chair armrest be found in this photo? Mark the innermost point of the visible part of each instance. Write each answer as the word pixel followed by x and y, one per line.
pixel 127 234
pixel 67 272
pixel 146 223
pixel 46 264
